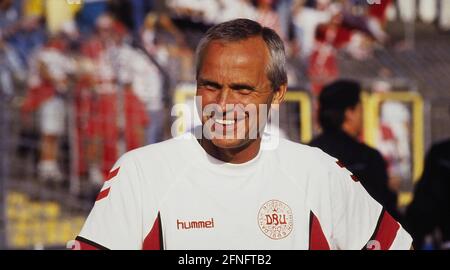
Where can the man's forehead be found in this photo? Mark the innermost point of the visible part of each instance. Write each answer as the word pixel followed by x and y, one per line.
pixel 236 62
pixel 253 46
pixel 235 55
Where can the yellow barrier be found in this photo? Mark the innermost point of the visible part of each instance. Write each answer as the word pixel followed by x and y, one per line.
pixel 371 106
pixel 38 224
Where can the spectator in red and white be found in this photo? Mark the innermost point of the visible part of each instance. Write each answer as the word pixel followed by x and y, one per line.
pixel 133 73
pixel 368 23
pixel 48 82
pixel 117 117
pixel 343 31
pixel 330 37
pixel 393 138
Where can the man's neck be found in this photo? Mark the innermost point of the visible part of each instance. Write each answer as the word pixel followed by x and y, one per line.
pixel 232 155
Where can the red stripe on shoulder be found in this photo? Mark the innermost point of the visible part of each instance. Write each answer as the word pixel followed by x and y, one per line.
pixel 102 194
pixel 154 240
pixel 85 246
pixel 112 174
pixel 384 234
pixel 317 239
pixel 387 231
pixel 340 164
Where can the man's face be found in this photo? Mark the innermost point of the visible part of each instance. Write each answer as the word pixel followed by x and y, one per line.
pixel 233 77
pixel 353 123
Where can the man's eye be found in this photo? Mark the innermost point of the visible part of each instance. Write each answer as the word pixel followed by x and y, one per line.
pixel 244 91
pixel 210 87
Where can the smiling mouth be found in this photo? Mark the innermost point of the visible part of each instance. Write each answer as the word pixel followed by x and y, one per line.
pixel 225 122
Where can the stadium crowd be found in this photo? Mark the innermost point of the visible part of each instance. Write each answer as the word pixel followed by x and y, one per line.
pixel 107 69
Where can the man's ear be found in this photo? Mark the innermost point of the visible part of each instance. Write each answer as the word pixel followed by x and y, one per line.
pixel 279 94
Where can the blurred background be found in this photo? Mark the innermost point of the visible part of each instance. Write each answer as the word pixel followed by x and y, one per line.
pixel 83 81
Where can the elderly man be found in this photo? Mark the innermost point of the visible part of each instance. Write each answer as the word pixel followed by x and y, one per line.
pixel 220 187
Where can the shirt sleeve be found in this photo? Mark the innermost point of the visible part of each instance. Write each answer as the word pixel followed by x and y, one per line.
pixel 360 222
pixel 115 222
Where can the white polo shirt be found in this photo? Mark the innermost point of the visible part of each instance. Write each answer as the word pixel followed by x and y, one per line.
pixel 173 195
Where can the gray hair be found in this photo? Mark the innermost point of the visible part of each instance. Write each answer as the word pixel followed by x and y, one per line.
pixel 241 29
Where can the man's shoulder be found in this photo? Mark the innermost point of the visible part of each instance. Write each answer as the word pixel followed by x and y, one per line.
pixel 299 156
pixel 168 152
pixel 157 166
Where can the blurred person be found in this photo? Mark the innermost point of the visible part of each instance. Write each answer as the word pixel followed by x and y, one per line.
pixel 322 62
pixel 306 19
pixel 430 208
pixel 204 191
pixel 116 116
pixel 370 20
pixel 133 76
pixel 340 116
pixel 47 85
pixel 267 16
pixel 149 84
pixel 84 101
pixel 355 34
pixel 143 81
pixel 393 138
pixel 100 117
pixel 166 45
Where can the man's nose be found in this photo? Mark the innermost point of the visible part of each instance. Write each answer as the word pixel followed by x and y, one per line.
pixel 224 99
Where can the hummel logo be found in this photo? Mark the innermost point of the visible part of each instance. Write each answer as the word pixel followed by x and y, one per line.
pixel 200 224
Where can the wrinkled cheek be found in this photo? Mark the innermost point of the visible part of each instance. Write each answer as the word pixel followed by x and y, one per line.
pixel 205 107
